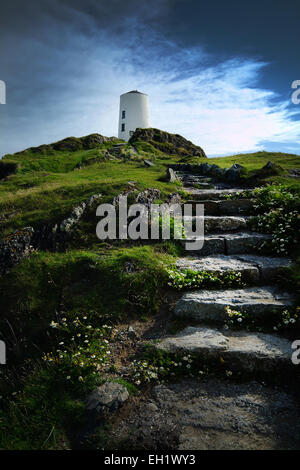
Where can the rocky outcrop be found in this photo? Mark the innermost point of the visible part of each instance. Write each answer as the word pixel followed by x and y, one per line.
pixel 167 143
pixel 171 175
pixel 270 169
pixel 231 175
pixel 146 197
pixel 72 144
pixel 294 172
pixel 234 173
pixel 100 404
pixel 14 248
pixel 55 237
pixel 77 212
pixel 106 398
pixel 22 242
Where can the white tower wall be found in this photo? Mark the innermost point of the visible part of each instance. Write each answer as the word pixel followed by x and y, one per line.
pixel 134 112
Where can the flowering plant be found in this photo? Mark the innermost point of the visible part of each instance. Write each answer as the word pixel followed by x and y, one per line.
pixel 82 350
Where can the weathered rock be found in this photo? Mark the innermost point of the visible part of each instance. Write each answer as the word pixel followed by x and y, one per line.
pixel 72 144
pixel 213 244
pixel 221 264
pixel 233 174
pixel 107 397
pixel 14 248
pixel 230 175
pixel 148 196
pixel 76 214
pixel 224 223
pixel 148 163
pixel 244 351
pixel 214 194
pixel 132 333
pixel 132 184
pixel 171 175
pixel 214 414
pixel 67 224
pixel 93 140
pixel 294 172
pixel 229 243
pixel 235 206
pixel 210 304
pixel 210 207
pixel 166 142
pixel 270 169
pixel 225 207
pixel 174 198
pixel 268 267
pixel 55 237
pixel 244 242
pixel 253 268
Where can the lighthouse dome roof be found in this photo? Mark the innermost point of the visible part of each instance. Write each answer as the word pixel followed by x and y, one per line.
pixel 134 91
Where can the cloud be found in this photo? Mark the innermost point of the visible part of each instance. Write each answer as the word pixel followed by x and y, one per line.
pixel 68 78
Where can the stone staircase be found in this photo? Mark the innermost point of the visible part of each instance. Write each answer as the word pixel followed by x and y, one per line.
pixel 229 245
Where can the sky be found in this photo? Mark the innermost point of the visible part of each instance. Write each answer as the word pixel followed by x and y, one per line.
pixel 219 73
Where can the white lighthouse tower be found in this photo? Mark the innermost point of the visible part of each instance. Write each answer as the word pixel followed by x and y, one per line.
pixel 134 112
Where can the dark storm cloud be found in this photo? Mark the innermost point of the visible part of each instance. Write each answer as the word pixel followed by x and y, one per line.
pixel 32 17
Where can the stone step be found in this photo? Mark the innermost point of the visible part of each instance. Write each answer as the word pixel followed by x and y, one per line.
pixel 226 244
pixel 188 185
pixel 253 268
pixel 206 305
pixel 212 193
pixel 225 206
pixel 221 223
pixel 198 179
pixel 241 351
pixel 188 176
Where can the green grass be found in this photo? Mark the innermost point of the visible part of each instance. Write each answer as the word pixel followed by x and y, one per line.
pixel 47 409
pixel 42 415
pixel 39 198
pixel 46 186
pixel 89 278
pixel 254 161
pixel 92 282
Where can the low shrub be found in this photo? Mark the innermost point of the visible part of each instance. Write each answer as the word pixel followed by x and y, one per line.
pixel 278 209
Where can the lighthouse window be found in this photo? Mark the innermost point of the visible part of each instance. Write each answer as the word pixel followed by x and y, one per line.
pixel 123 127
pixel 123 114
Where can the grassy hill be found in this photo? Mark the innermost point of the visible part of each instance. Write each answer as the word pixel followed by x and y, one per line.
pixel 105 284
pixel 44 185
